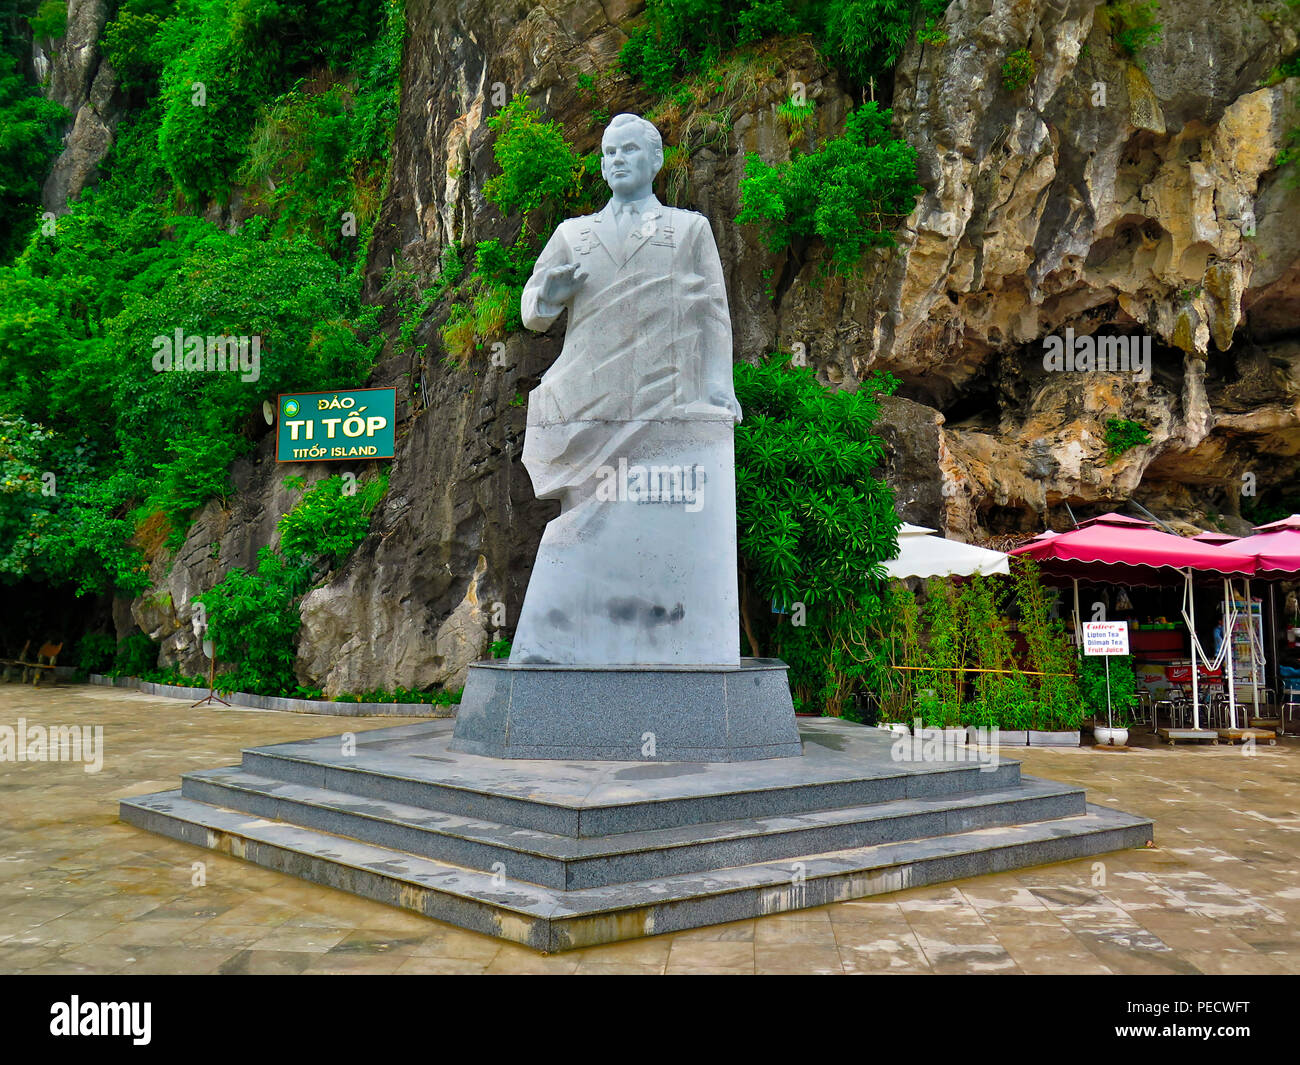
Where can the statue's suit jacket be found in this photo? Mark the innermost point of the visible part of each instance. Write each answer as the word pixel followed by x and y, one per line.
pixel 648 335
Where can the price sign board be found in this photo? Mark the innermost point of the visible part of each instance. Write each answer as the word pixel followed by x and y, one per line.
pixel 1105 637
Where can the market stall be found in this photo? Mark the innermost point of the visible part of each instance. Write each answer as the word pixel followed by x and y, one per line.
pixel 1276 549
pixel 1115 549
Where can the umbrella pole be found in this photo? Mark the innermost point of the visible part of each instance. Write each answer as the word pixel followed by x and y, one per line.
pixel 1255 633
pixel 1228 664
pixel 1078 627
pixel 1196 669
pixel 1272 641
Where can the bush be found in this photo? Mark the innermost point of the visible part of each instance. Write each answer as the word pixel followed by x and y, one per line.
pixel 30 138
pixel 1018 70
pixel 814 523
pixel 136 656
pixel 1122 436
pixel 539 170
pixel 849 193
pixel 130 42
pixel 1134 26
pixel 50 21
pixel 96 652
pixel 253 620
pixel 327 522
pixel 860 37
pixel 1123 689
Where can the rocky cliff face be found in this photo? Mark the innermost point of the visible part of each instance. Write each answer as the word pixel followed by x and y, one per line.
pixel 85 84
pixel 1107 198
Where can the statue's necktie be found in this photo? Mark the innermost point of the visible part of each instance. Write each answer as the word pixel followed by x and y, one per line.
pixel 626 218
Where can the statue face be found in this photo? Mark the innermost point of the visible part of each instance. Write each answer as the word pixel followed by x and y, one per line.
pixel 628 162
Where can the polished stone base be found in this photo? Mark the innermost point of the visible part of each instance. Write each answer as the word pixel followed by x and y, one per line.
pixel 629 713
pixel 561 855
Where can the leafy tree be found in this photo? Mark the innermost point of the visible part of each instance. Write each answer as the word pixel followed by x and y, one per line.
pixel 29 141
pixel 848 194
pixel 815 521
pixel 253 620
pixel 328 522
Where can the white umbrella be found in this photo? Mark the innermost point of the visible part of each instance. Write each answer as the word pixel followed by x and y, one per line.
pixel 921 554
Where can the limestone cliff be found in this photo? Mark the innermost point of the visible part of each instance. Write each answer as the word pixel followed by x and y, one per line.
pixel 1106 197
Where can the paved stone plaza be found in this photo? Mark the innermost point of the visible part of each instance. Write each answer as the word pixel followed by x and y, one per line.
pixel 82 893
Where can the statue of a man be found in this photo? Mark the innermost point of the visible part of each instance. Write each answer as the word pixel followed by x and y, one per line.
pixel 631 430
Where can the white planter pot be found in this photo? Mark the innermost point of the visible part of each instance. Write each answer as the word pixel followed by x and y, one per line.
pixel 1110 737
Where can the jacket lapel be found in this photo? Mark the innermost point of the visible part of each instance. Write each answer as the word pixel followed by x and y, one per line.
pixel 606 230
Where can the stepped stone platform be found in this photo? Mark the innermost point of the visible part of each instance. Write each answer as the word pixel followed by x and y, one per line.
pixel 559 855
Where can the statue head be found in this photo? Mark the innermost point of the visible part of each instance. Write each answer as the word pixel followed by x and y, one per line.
pixel 631 153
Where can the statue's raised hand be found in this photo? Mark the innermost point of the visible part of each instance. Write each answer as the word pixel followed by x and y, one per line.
pixel 562 282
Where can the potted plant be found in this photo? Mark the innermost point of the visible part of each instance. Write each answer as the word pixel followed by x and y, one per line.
pixel 1115 708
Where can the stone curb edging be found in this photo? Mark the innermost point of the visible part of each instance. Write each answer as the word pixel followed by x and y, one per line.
pixel 275 702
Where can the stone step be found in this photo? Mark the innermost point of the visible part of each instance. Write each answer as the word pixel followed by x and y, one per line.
pixel 570 863
pixel 548 919
pixel 411 765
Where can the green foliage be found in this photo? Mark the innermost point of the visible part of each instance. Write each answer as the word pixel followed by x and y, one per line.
pixel 1123 435
pixel 487 303
pixel 542 178
pixel 1133 25
pixel 136 656
pixel 849 193
pixel 864 38
pixel 131 42
pixel 329 522
pixel 499 649
pixel 443 697
pixel 78 316
pixel 96 652
pixel 50 21
pixel 959 664
pixel 226 58
pixel 814 520
pixel 539 169
pixel 253 620
pixel 1050 654
pixel 1123 685
pixel 861 37
pixel 30 138
pixel 1018 70
pixel 796 116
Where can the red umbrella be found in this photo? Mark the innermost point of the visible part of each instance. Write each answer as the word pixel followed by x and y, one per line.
pixel 1275 547
pixel 1117 549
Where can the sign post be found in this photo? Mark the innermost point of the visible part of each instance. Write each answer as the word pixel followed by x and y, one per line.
pixel 1106 638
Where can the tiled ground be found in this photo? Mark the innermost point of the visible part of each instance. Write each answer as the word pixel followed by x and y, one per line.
pixel 81 893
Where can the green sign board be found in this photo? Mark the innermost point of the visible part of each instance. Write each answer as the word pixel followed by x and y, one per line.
pixel 336 426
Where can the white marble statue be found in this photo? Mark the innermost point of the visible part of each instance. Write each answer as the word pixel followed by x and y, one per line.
pixel 631 430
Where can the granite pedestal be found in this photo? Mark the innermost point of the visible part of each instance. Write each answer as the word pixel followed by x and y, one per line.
pixel 629 713
pixel 565 854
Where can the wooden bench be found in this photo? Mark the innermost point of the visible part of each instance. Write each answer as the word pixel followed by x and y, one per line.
pixel 45 659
